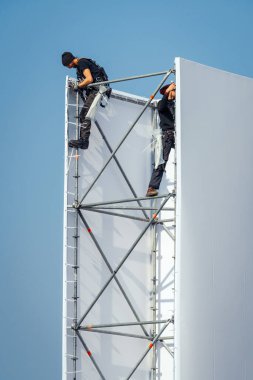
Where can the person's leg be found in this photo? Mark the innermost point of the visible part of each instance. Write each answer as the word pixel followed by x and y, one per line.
pixel 156 177
pixel 157 174
pixel 83 142
pixel 86 122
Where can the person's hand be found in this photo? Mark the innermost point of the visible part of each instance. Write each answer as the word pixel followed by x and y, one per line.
pixel 74 86
pixel 171 91
pixel 171 87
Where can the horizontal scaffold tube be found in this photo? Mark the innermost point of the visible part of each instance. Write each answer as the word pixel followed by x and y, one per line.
pixel 83 206
pixel 128 78
pixel 127 335
pixel 128 208
pixel 117 214
pixel 89 327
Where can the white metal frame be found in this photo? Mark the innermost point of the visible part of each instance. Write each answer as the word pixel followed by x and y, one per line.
pixel 150 220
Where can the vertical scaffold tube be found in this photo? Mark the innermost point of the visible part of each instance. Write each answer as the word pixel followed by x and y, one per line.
pixel 154 274
pixel 75 236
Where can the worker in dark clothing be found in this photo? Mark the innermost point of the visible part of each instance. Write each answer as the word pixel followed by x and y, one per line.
pixel 166 110
pixel 87 71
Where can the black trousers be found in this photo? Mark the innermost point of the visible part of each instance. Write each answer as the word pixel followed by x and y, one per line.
pixel 168 142
pixel 85 122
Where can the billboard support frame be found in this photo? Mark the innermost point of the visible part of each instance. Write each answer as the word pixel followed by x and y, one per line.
pixel 152 222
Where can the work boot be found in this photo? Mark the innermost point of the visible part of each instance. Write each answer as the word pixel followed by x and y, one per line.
pixel 81 143
pixel 151 192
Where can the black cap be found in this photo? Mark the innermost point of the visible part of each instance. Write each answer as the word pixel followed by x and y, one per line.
pixel 67 58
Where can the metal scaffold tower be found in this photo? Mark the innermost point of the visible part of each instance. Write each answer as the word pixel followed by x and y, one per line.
pixel 91 314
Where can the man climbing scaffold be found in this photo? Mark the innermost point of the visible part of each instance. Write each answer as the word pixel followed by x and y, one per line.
pixel 166 110
pixel 88 72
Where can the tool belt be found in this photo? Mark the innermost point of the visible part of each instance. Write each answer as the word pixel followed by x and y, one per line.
pixel 103 78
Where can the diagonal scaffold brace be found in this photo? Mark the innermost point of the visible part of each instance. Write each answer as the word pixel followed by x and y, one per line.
pixel 111 270
pixel 126 135
pixel 124 259
pixel 150 346
pixel 119 166
pixel 89 353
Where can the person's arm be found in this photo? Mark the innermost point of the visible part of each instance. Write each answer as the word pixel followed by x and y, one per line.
pixel 88 79
pixel 162 104
pixel 167 99
pixel 170 91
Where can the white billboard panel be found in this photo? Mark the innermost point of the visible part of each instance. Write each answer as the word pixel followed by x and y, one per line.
pixel 112 236
pixel 214 261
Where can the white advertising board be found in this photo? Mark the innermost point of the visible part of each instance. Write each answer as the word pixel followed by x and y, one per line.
pixel 214 247
pixel 115 355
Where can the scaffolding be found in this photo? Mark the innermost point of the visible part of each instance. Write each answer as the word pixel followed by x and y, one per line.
pixel 148 211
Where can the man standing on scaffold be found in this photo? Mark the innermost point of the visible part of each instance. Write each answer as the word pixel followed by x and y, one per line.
pixel 166 110
pixel 87 71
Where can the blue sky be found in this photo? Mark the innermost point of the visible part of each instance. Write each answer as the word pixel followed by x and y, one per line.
pixel 127 38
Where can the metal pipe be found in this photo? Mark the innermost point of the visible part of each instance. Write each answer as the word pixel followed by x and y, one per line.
pixel 168 349
pixel 168 232
pixel 166 220
pixel 154 274
pixel 148 349
pixel 175 216
pixel 166 338
pixel 154 295
pixel 65 233
pixel 90 327
pixel 90 355
pixel 154 290
pixel 117 214
pixel 122 262
pixel 127 208
pixel 111 270
pixel 75 267
pixel 129 78
pixel 119 166
pixel 120 201
pixel 118 333
pixel 125 136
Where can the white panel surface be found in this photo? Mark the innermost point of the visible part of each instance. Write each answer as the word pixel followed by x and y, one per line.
pixel 214 257
pixel 116 355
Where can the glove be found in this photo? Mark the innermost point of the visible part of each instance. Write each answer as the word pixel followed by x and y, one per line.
pixel 74 86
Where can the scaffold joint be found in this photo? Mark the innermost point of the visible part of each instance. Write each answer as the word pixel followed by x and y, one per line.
pixel 76 205
pixel 74 326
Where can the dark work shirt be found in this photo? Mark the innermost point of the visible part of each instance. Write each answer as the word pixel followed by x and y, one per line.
pixel 166 109
pixel 83 64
